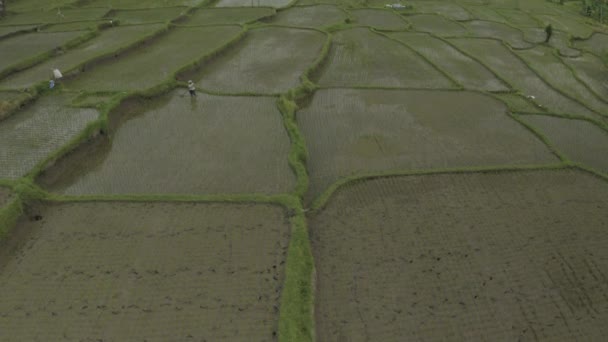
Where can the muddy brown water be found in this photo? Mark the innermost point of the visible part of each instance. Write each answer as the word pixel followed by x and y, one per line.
pixel 149 271
pixel 477 257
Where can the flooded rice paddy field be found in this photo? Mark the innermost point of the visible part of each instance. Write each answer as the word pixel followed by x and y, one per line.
pixel 449 165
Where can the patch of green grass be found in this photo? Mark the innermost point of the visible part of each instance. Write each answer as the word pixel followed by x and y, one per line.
pixel 296 321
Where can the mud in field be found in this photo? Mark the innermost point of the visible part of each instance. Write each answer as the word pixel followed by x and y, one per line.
pixel 512 69
pixel 379 19
pixel 31 135
pixel 437 24
pixel 465 70
pixel 155 63
pixel 18 49
pixel 179 145
pixel 472 257
pixel 310 16
pixel 212 16
pixel 364 131
pixel 581 141
pixel 354 60
pixel 88 25
pixel 149 271
pixel 519 19
pixel 485 13
pixel 105 43
pixel 250 68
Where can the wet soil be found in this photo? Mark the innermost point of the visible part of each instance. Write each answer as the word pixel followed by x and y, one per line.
pixel 485 257
pixel 157 272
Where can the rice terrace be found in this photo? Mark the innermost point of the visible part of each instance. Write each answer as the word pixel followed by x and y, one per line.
pixel 303 170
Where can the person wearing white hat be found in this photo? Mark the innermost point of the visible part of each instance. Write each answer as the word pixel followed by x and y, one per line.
pixel 191 88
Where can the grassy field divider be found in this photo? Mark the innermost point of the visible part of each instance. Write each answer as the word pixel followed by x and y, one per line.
pixel 594 121
pixel 321 201
pixel 48 54
pixel 8 108
pixel 441 71
pixel 296 321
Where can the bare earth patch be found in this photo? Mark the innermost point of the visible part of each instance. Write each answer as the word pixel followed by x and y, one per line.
pixel 484 257
pixel 157 272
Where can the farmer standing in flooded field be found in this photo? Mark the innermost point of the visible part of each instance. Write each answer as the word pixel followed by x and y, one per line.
pixel 191 88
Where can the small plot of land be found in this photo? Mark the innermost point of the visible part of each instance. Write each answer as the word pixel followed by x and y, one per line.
pixel 155 63
pixel 54 17
pixel 311 16
pixel 360 57
pixel 364 131
pixel 107 42
pixel 437 24
pixel 379 19
pixel 550 67
pixel 485 13
pixel 575 27
pixel 518 103
pixel 178 145
pixel 213 16
pixel 153 15
pixel 591 71
pixel 37 5
pixel 509 67
pixel 581 141
pixel 250 68
pixel 485 257
pixel 253 3
pixel 446 9
pixel 17 50
pixel 29 137
pixel 519 19
pixel 88 25
pixel 135 4
pixel 506 33
pixel 156 272
pixel 465 70
pixel 561 41
pixel 597 44
pixel 8 30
